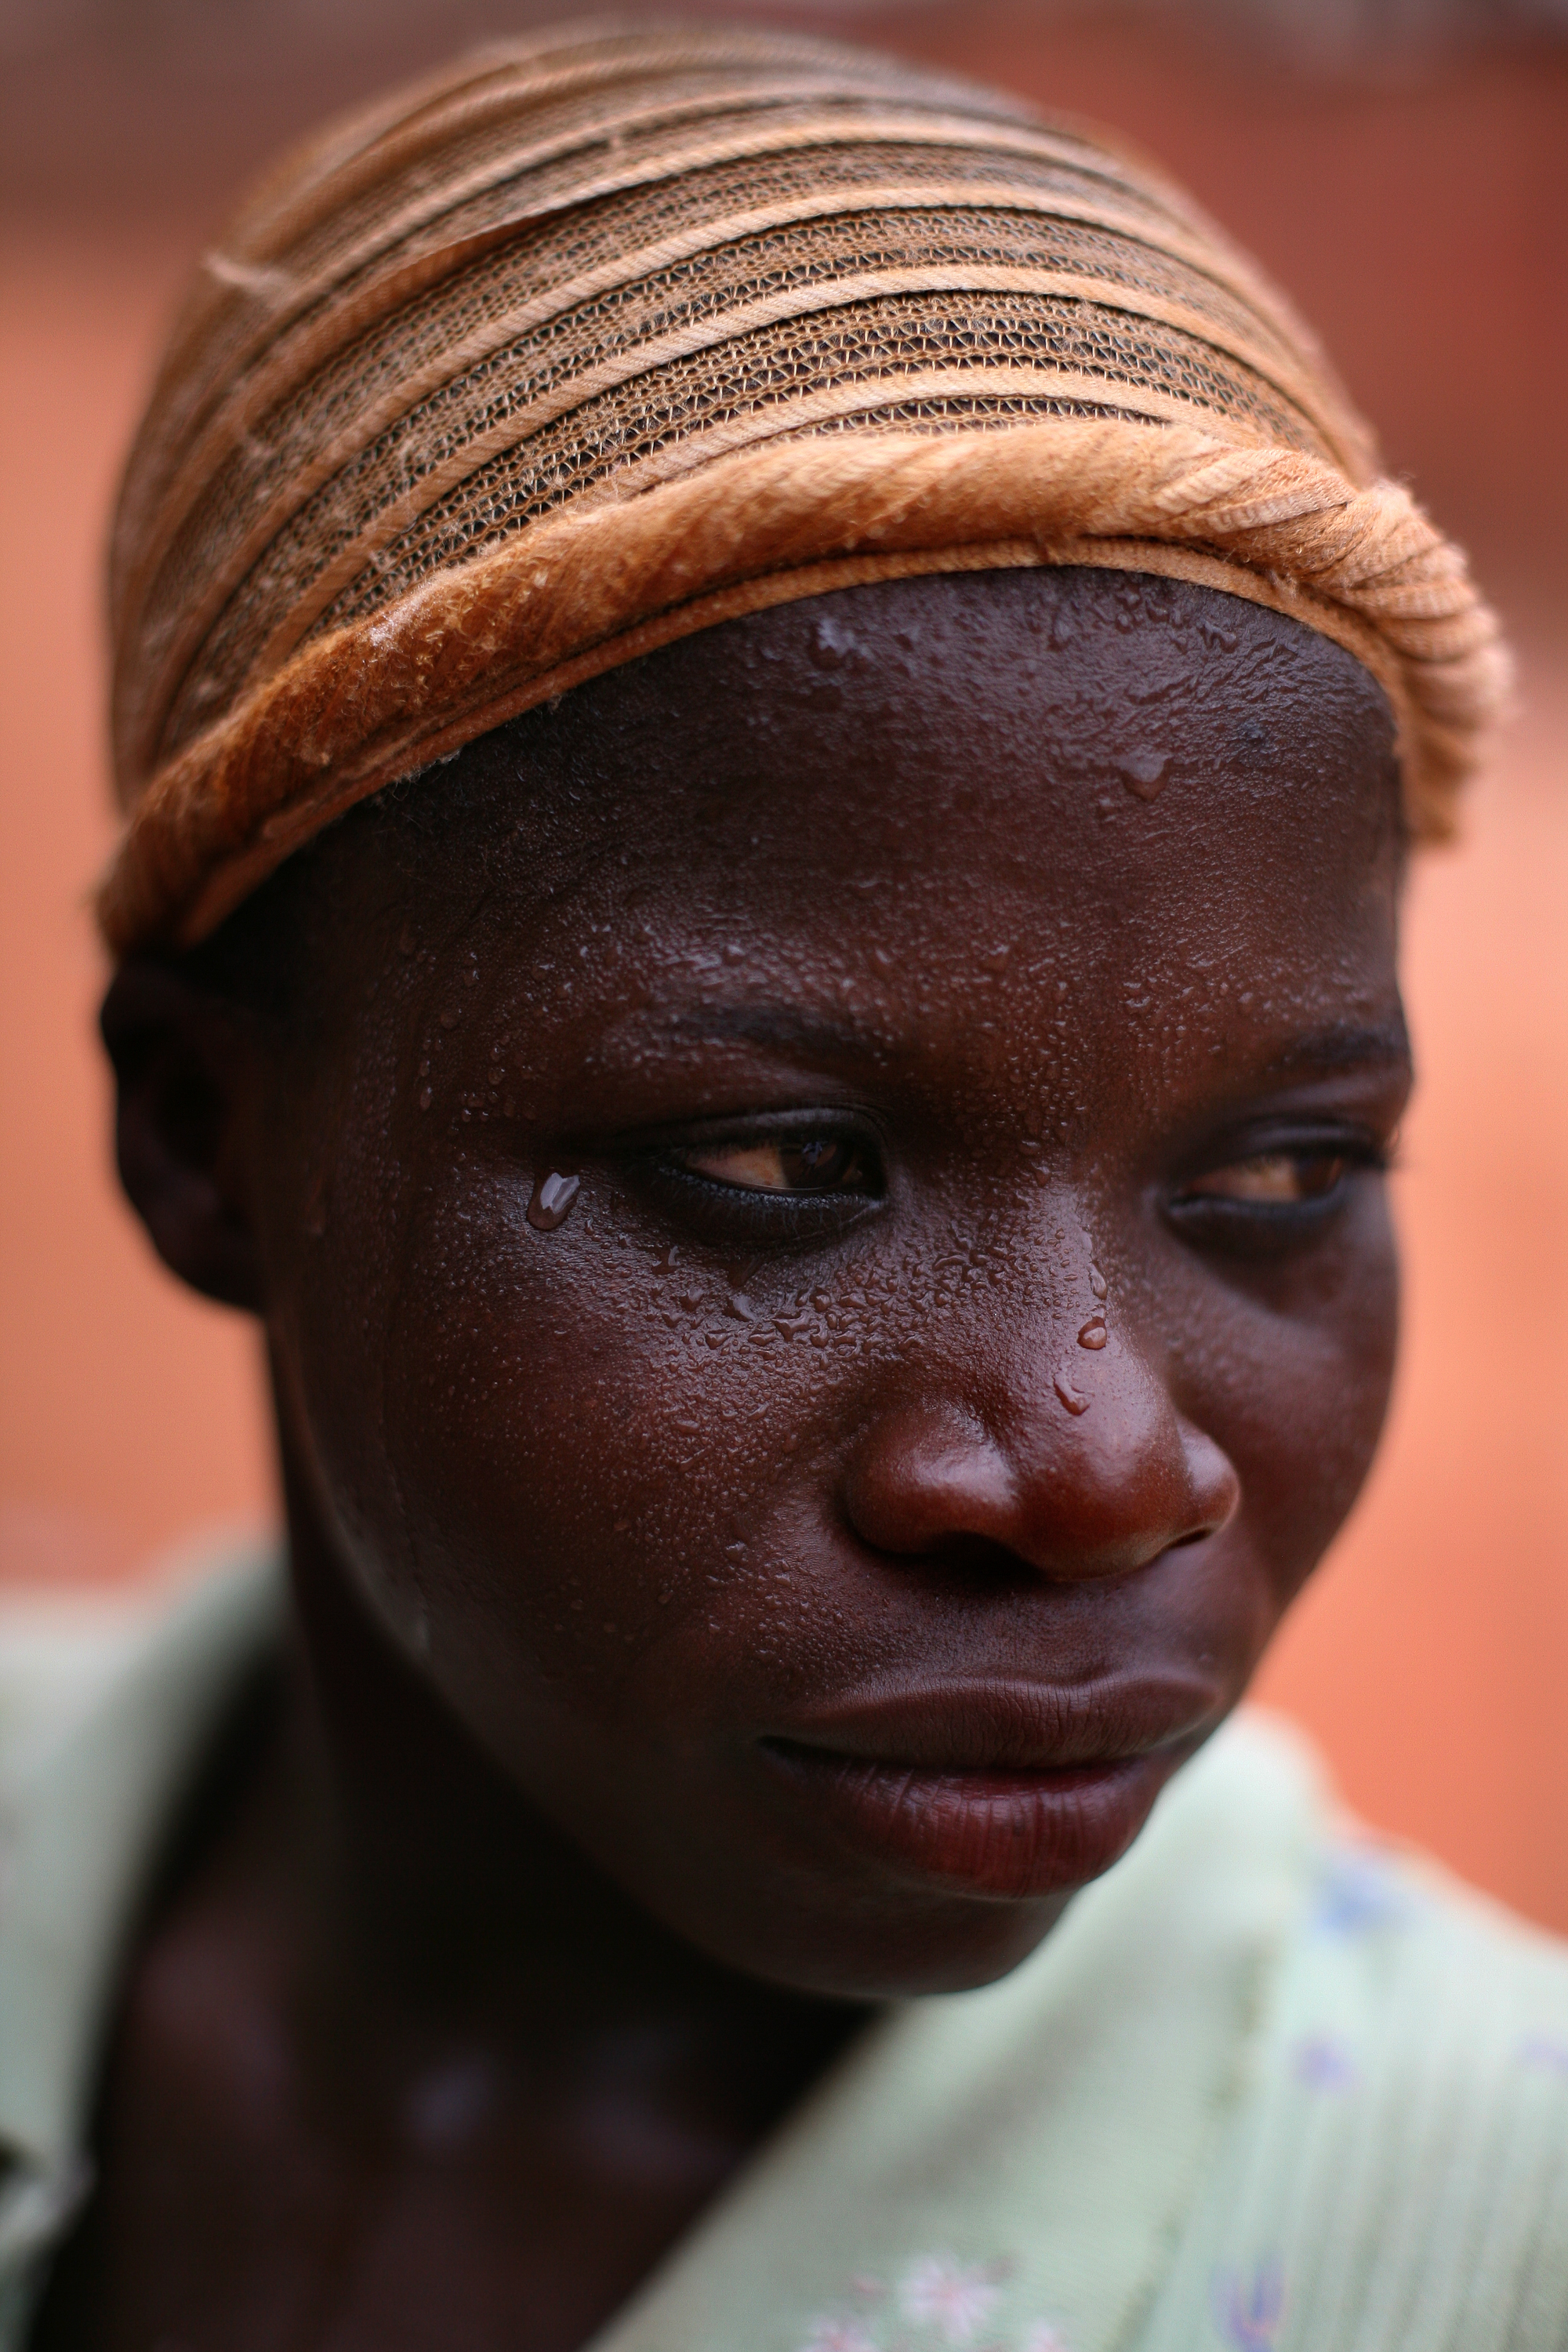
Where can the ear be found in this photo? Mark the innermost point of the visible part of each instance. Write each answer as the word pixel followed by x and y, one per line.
pixel 187 1068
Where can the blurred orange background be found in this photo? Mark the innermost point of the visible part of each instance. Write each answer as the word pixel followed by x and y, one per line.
pixel 1415 201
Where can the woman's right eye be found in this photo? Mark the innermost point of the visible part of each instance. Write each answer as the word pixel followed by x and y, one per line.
pixel 786 1163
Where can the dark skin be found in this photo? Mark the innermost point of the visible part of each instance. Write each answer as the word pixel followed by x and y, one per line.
pixel 970 1010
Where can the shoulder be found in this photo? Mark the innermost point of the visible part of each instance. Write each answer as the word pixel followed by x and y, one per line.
pixel 1393 2171
pixel 106 1709
pixel 70 1663
pixel 1402 1982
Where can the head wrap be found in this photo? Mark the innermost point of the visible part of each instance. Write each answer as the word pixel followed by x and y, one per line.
pixel 600 337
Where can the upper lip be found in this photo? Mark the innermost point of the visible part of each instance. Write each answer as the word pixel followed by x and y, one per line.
pixel 1008 1726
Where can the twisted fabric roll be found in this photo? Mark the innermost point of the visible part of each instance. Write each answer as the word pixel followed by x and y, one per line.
pixel 599 338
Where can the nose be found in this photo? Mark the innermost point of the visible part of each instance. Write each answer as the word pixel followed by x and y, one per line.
pixel 1074 1496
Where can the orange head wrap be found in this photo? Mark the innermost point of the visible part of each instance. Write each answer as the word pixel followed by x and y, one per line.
pixel 599 338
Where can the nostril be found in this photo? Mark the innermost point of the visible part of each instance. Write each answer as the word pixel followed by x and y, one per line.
pixel 980 1563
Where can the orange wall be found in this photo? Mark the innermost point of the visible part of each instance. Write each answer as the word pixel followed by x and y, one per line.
pixel 129 1409
pixel 1423 224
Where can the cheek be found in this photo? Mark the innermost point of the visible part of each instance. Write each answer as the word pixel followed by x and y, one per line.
pixel 1292 1378
pixel 589 1453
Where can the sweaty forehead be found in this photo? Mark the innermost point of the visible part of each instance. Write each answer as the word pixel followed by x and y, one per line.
pixel 1015 745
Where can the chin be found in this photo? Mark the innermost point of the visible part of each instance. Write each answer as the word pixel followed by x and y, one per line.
pixel 877 1950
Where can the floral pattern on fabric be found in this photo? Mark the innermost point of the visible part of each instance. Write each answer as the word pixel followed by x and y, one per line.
pixel 1322 2062
pixel 1249 2307
pixel 1360 1892
pixel 951 2296
pixel 935 2302
pixel 1549 2052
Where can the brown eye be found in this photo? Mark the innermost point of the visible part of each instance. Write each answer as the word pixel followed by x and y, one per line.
pixel 1271 1179
pixel 806 1163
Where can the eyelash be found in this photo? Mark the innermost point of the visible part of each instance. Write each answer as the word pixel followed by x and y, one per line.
pixel 758 1212
pixel 1259 1227
pixel 1254 1226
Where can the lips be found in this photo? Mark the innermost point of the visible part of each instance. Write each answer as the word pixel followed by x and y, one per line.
pixel 999 1792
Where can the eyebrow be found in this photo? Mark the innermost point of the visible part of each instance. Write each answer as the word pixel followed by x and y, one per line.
pixel 1338 1046
pixel 1341 1045
pixel 1345 1046
pixel 783 1025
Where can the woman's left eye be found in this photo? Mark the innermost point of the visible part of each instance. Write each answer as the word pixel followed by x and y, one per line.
pixel 806 1163
pixel 1271 1179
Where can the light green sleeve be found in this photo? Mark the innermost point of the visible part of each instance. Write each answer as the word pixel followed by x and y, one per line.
pixel 105 1709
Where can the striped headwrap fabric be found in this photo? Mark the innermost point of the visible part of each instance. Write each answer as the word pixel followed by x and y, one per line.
pixel 600 337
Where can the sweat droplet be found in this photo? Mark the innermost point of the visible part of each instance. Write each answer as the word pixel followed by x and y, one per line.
pixel 1093 1334
pixel 316 1209
pixel 1072 1398
pixel 832 644
pixel 1096 1282
pixel 1144 773
pixel 552 1203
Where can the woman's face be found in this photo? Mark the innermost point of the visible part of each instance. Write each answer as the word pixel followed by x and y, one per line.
pixel 968 1009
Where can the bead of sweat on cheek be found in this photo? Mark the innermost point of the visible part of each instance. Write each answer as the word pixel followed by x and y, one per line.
pixel 551 1201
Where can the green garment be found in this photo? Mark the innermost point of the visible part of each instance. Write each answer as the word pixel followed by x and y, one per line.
pixel 1268 2085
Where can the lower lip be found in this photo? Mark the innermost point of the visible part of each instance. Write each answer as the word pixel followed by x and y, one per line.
pixel 1010 1835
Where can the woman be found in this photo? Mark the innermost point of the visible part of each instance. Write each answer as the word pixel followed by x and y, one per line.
pixel 770 718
